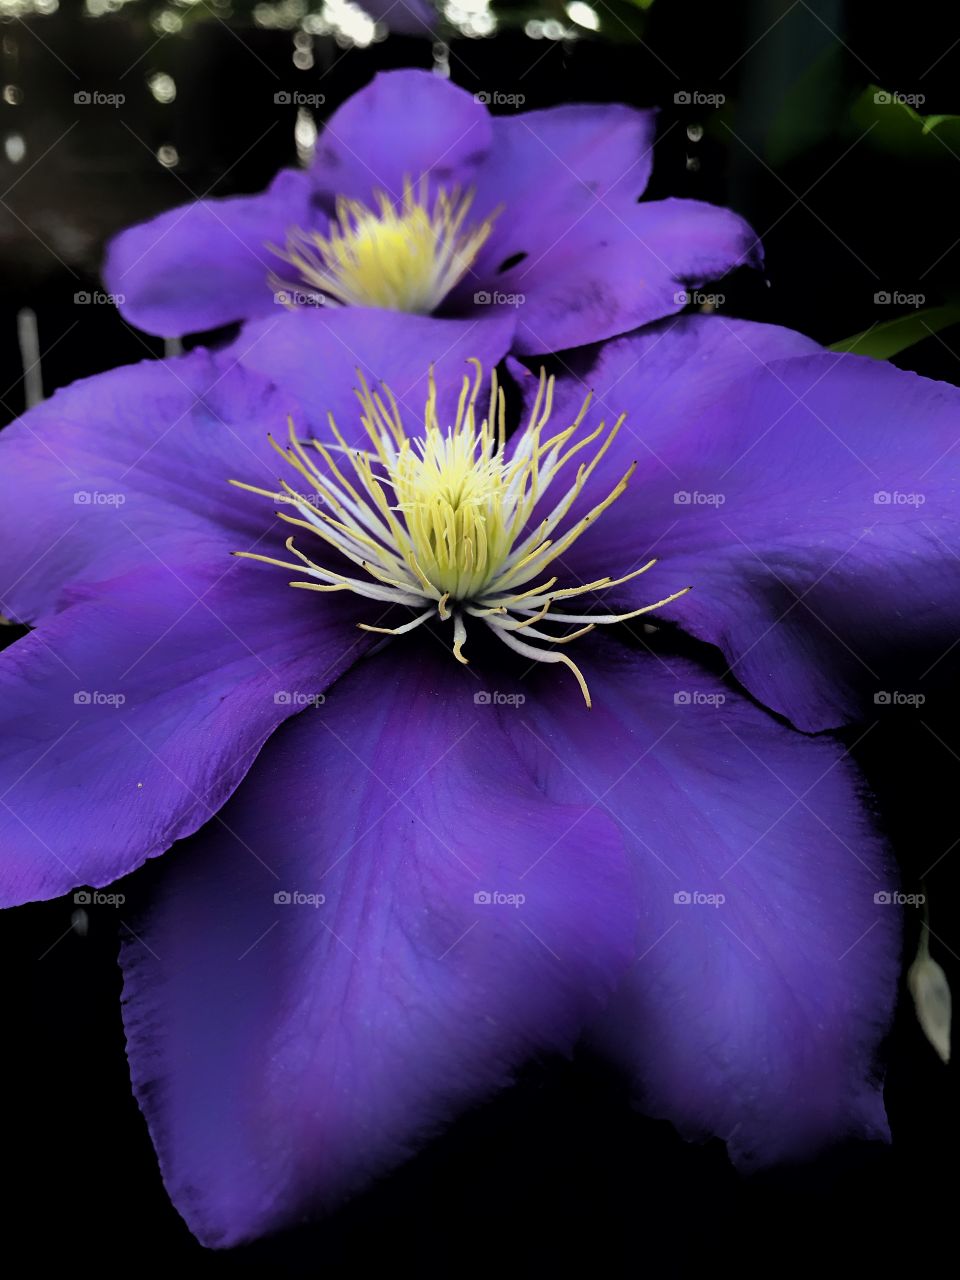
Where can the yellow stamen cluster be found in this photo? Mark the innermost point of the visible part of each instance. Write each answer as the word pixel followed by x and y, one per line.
pixel 443 523
pixel 399 257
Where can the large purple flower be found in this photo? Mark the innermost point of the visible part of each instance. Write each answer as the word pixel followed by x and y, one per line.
pixel 420 201
pixel 413 872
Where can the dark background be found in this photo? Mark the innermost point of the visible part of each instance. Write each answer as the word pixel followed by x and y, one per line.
pixel 560 1168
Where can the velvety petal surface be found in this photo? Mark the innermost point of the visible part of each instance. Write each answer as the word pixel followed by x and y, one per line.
pixel 131 468
pixel 314 354
pixel 206 263
pixel 670 374
pixel 811 505
pixel 613 269
pixel 403 124
pixel 128 718
pixel 547 167
pixel 393 915
pixel 766 968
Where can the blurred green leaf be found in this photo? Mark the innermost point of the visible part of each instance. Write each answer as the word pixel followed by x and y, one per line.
pixel 893 336
pixel 895 125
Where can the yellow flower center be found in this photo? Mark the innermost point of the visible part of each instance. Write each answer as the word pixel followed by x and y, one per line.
pixel 444 522
pixel 404 257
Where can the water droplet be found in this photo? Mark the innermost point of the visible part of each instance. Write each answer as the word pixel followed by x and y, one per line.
pixel 14 147
pixel 162 86
pixel 167 23
pixel 584 15
pixel 305 136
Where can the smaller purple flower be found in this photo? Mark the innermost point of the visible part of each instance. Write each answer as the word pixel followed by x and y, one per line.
pixel 421 202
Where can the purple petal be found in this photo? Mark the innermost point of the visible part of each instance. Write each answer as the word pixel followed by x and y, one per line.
pixel 404 17
pixel 613 270
pixel 315 354
pixel 206 264
pixel 766 968
pixel 131 716
pixel 548 167
pixel 810 505
pixel 663 378
pixel 284 1053
pixel 402 125
pixel 134 459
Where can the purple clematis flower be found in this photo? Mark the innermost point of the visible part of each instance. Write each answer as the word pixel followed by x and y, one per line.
pixel 419 201
pixel 411 872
